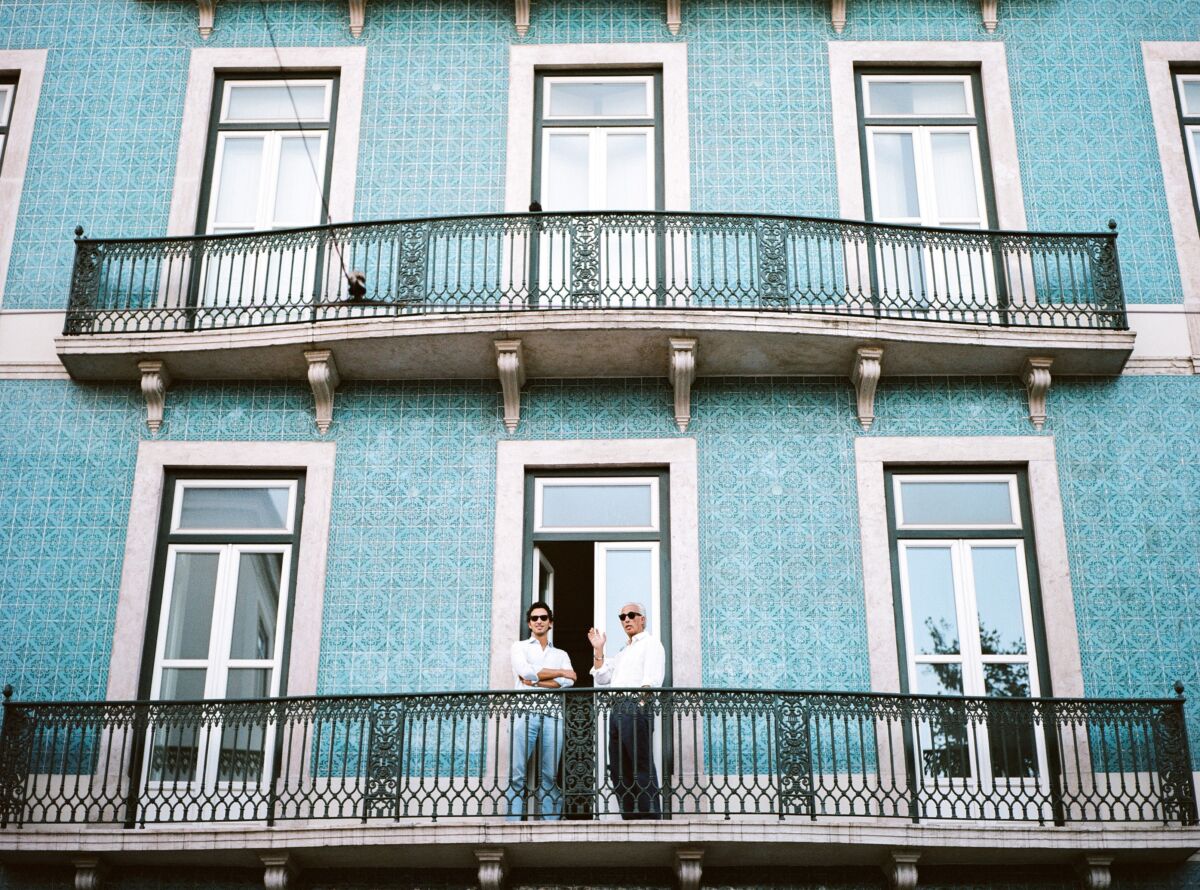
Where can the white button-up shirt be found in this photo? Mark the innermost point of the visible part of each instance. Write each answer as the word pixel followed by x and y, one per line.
pixel 643 662
pixel 528 657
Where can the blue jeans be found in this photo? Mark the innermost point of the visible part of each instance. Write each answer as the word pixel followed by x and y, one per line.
pixel 538 737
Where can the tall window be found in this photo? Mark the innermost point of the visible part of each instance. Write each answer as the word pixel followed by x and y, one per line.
pixel 968 611
pixel 8 91
pixel 224 579
pixel 1187 93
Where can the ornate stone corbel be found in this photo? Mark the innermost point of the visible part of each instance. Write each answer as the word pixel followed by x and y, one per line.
pixel 674 15
pixel 1036 377
pixel 510 363
pixel 323 378
pixel 681 371
pixel 1095 872
pixel 89 872
pixel 989 9
pixel 491 868
pixel 901 869
pixel 521 11
pixel 689 865
pixel 208 13
pixel 278 870
pixel 155 381
pixel 358 14
pixel 865 377
pixel 837 15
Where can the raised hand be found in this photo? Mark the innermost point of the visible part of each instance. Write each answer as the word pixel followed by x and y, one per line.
pixel 597 638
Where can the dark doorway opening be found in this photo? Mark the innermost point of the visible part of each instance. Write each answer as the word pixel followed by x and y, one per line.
pixel 573 563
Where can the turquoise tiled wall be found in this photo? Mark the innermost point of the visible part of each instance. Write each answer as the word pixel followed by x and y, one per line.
pixel 410 544
pixel 434 109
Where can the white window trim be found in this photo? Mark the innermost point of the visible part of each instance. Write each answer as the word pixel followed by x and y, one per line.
pixel 513 459
pixel 193 138
pixel 30 67
pixel 183 485
pixel 316 459
pixel 1013 501
pixel 542 483
pixel 1002 137
pixel 1157 58
pixel 1037 453
pixel 569 57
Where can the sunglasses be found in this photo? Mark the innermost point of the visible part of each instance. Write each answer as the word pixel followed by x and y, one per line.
pixel 630 615
pixel 539 617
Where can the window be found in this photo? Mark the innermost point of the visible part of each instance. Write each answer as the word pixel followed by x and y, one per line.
pixel 8 89
pixel 1187 96
pixel 968 613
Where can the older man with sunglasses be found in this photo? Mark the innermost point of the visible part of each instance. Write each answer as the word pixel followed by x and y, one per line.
pixel 537 730
pixel 642 663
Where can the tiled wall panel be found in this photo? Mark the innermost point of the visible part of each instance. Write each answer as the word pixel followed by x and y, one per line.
pixel 433 130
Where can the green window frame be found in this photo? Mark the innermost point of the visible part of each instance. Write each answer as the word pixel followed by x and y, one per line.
pixel 1189 128
pixel 8 99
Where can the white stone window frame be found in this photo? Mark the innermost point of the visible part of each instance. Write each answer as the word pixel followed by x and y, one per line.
pixel 526 61
pixel 28 66
pixel 206 63
pixel 515 459
pixel 1157 59
pixel 315 459
pixel 1037 455
pixel 990 58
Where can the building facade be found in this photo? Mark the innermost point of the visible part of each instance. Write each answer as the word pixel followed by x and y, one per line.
pixel 608 328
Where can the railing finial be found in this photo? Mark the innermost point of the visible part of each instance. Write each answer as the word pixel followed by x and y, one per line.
pixel 8 691
pixel 1178 689
pixel 1112 225
pixel 78 232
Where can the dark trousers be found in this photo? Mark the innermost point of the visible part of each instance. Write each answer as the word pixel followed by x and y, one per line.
pixel 631 761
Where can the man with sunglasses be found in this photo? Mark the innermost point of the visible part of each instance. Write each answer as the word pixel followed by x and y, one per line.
pixel 537 730
pixel 642 663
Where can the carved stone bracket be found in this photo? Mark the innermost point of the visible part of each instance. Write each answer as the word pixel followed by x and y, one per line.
pixel 837 15
pixel 279 869
pixel 901 869
pixel 674 15
pixel 1036 378
pixel 155 381
pixel 521 11
pixel 208 13
pixel 688 868
pixel 1095 872
pixel 510 363
pixel 358 15
pixel 681 371
pixel 989 10
pixel 491 868
pixel 868 365
pixel 89 872
pixel 323 378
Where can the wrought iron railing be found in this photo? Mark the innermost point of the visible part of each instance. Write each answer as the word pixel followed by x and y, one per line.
pixel 671 753
pixel 611 260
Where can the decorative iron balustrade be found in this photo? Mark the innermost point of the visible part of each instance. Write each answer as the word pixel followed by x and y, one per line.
pixel 719 754
pixel 609 260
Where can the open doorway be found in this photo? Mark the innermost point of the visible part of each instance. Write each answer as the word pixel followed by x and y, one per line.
pixel 567 575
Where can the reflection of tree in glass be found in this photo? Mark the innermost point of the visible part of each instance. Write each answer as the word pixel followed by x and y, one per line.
pixel 1010 738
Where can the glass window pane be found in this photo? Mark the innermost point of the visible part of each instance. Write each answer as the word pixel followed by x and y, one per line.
pixel 6 94
pixel 298 187
pixel 895 176
pixel 939 679
pixel 628 165
pixel 256 606
pixel 184 684
pixel 270 102
pixel 193 589
pixel 238 182
pixel 1190 91
pixel 565 182
pixel 956 503
pixel 234 508
pixel 627 575
pixel 1006 680
pixel 596 506
pixel 922 98
pixel 174 747
pixel 581 98
pixel 998 594
pixel 954 177
pixel 931 600
pixel 248 683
